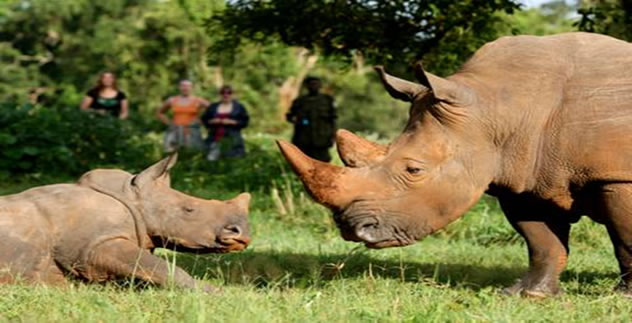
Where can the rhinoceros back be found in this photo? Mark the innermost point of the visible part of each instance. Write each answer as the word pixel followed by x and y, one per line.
pixel 575 90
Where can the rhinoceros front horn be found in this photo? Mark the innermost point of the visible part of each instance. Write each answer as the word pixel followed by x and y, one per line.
pixel 321 180
pixel 356 151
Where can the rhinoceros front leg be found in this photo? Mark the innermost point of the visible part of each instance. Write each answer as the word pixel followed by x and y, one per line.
pixel 124 259
pixel 547 240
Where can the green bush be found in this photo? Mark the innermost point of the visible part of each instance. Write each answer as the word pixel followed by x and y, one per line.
pixel 261 169
pixel 67 141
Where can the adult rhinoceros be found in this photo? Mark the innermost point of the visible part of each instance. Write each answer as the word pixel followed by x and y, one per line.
pixel 105 226
pixel 542 123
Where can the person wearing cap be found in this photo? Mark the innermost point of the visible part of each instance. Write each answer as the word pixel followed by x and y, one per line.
pixel 314 119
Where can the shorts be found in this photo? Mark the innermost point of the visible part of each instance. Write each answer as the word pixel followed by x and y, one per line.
pixel 183 136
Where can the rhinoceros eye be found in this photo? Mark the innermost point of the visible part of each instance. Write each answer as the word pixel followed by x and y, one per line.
pixel 413 170
pixel 415 167
pixel 188 209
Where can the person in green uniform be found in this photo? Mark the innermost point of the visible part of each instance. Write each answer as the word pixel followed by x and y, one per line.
pixel 314 119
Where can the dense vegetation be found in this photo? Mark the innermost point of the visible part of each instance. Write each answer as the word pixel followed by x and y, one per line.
pixel 391 32
pixel 35 139
pixel 57 49
pixel 611 17
pixel 298 268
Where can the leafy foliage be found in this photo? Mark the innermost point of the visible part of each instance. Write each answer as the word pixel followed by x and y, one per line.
pixel 38 139
pixel 363 105
pixel 550 18
pixel 257 171
pixel 384 31
pixel 257 71
pixel 149 44
pixel 611 17
pixel 60 47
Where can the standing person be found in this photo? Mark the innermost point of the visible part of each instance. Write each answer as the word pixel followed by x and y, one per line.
pixel 314 119
pixel 184 126
pixel 224 121
pixel 106 98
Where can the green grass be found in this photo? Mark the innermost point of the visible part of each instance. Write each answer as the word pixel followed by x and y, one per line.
pixel 299 269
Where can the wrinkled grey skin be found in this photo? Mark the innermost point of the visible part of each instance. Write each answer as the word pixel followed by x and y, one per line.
pixel 105 227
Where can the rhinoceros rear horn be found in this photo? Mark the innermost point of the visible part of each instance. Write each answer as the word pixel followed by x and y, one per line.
pixel 156 171
pixel 319 178
pixel 356 151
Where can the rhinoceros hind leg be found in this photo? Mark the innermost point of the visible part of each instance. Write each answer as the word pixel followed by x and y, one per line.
pixel 617 206
pixel 47 272
pixel 547 242
pixel 124 259
pixel 51 274
pixel 27 261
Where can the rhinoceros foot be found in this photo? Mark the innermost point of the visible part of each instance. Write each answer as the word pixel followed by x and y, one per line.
pixel 526 288
pixel 210 289
pixel 624 288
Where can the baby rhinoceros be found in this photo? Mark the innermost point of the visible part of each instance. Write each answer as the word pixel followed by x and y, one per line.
pixel 105 227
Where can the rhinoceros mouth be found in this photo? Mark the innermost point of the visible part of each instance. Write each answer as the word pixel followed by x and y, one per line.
pixel 233 244
pixel 208 250
pixel 361 233
pixel 400 238
pixel 375 228
pixel 214 247
pixel 387 244
pixel 373 240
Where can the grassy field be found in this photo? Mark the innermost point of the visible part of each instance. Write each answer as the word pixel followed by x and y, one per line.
pixel 299 269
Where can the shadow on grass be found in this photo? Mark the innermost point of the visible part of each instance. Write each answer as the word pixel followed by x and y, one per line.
pixel 293 270
pixel 591 282
pixel 282 269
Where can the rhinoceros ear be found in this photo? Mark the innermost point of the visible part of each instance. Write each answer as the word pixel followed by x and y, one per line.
pixel 398 88
pixel 159 170
pixel 242 201
pixel 443 89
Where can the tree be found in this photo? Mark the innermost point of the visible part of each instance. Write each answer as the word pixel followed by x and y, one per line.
pixel 389 32
pixel 611 17
pixel 64 44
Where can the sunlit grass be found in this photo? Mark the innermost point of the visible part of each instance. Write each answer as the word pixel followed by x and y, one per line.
pixel 299 269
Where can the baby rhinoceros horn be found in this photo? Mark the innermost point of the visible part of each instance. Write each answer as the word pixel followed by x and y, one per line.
pixel 356 151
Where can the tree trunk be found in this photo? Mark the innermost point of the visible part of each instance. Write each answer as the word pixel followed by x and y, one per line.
pixel 291 87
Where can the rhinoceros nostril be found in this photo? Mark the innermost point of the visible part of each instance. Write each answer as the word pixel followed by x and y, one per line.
pixel 233 230
pixel 369 225
pixel 367 232
pixel 234 237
